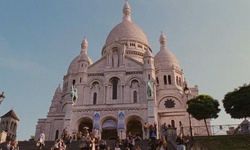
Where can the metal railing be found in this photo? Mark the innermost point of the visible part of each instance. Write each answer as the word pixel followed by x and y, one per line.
pixel 226 129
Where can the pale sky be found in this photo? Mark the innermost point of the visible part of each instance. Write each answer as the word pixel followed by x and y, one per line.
pixel 39 39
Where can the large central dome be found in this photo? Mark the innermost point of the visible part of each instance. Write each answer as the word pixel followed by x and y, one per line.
pixel 126 30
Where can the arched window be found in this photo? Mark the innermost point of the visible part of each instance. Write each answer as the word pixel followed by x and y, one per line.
pixel 177 82
pixel 135 96
pixel 94 98
pixel 172 123
pixel 157 80
pixel 3 125
pixel 169 79
pixel 165 80
pixel 134 84
pixel 14 126
pixel 11 125
pixel 7 123
pixel 114 88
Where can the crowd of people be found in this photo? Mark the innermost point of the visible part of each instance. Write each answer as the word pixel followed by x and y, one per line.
pixel 10 145
pixel 92 141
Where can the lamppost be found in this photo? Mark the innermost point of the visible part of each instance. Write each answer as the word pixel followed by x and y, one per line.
pixel 2 96
pixel 187 91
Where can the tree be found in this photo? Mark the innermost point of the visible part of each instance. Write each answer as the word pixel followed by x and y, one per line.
pixel 237 102
pixel 203 107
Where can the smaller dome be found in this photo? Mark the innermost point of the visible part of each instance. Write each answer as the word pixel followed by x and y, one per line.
pixel 73 67
pixel 84 57
pixel 164 57
pixel 148 53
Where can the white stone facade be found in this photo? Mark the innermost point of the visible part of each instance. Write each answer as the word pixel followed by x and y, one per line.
pixel 125 88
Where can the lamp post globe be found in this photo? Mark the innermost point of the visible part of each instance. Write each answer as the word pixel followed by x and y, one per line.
pixel 186 90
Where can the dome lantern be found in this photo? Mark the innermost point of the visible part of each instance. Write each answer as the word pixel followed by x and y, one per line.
pixel 126 12
pixel 165 57
pixel 84 45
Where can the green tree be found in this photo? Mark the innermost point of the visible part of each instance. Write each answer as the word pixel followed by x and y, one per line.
pixel 237 102
pixel 203 107
pixel 32 138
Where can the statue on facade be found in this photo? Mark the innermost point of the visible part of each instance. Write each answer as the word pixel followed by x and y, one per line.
pixel 150 89
pixel 73 93
pixel 115 59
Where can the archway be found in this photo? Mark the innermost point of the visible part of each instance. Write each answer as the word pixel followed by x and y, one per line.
pixel 134 126
pixel 109 130
pixel 85 122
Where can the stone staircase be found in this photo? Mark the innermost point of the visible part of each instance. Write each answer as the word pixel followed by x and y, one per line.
pixel 31 145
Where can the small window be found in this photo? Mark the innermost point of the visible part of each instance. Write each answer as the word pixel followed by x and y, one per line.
pixel 114 88
pixel 94 98
pixel 149 76
pixel 165 80
pixel 132 44
pixel 157 80
pixel 11 126
pixel 169 79
pixel 177 82
pixel 80 80
pixel 135 96
pixel 172 123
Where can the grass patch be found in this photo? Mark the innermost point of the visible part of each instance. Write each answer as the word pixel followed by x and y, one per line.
pixel 225 142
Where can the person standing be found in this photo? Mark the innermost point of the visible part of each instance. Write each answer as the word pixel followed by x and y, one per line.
pixel 130 140
pixel 145 128
pixel 181 143
pixel 41 140
pixel 152 136
pixel 64 133
pixel 7 146
pixel 96 134
pixel 15 145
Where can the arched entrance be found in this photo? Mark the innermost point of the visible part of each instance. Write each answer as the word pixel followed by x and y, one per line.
pixel 134 126
pixel 109 130
pixel 85 122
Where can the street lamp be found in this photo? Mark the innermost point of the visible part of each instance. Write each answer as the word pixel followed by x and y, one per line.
pixel 187 91
pixel 2 96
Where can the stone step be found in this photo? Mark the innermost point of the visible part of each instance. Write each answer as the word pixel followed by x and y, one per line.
pixel 31 145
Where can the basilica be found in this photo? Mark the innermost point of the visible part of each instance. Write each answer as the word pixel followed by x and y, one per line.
pixel 123 90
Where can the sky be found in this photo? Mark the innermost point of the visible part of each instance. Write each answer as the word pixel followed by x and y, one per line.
pixel 39 39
